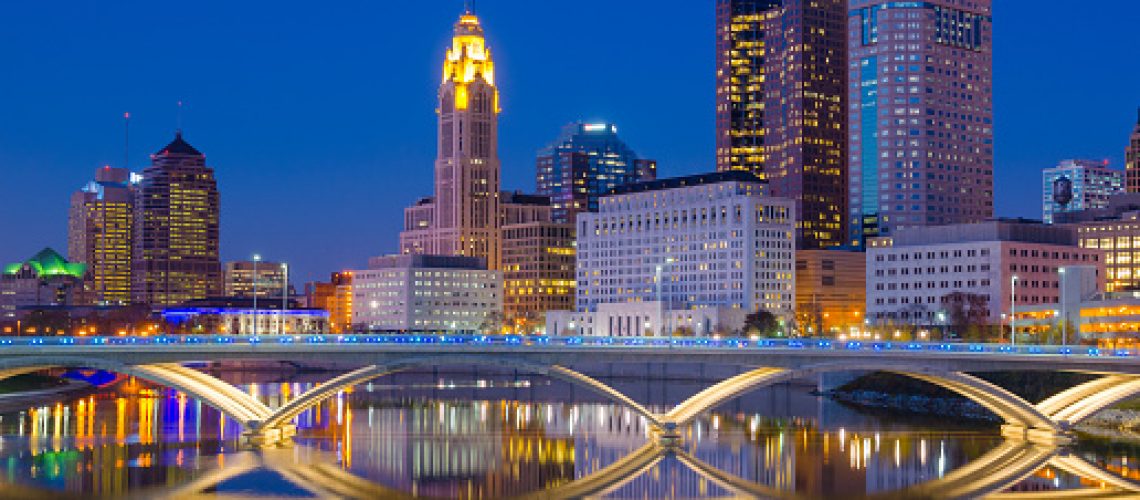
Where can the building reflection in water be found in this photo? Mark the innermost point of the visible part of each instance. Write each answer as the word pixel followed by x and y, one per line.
pixel 483 438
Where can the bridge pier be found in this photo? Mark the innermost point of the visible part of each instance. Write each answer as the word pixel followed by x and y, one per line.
pixel 1048 437
pixel 258 437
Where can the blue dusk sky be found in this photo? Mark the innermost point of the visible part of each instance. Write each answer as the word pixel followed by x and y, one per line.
pixel 318 117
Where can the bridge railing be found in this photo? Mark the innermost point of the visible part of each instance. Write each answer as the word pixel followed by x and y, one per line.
pixel 578 341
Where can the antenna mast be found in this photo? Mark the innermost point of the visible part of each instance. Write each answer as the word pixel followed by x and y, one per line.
pixel 179 117
pixel 127 140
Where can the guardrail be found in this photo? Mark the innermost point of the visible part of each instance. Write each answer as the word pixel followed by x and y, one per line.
pixel 571 341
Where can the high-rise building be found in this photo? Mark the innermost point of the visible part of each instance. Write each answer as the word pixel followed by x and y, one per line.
pixel 583 164
pixel 1076 185
pixel 176 228
pixel 1132 158
pixel 921 114
pixel 781 105
pixel 240 275
pixel 100 233
pixel 463 218
pixel 538 272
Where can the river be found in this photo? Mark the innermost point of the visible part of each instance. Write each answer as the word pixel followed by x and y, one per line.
pixel 479 433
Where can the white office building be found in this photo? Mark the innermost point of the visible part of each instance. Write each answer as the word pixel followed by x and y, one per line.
pixel 701 242
pixel 920 274
pixel 425 293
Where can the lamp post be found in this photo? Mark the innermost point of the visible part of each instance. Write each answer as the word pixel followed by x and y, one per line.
pixel 1013 310
pixel 256 259
pixel 284 296
pixel 1064 317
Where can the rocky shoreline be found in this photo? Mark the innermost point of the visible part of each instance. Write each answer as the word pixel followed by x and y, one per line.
pixel 963 408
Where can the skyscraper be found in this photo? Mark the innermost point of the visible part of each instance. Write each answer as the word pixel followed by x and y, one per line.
pixel 464 216
pixel 781 112
pixel 100 233
pixel 1076 185
pixel 587 161
pixel 176 228
pixel 1132 158
pixel 921 114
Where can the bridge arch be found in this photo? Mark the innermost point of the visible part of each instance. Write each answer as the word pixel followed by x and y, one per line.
pixel 1008 406
pixel 1081 402
pixel 225 398
pixel 314 396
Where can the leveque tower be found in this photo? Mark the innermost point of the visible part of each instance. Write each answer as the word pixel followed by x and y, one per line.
pixel 465 216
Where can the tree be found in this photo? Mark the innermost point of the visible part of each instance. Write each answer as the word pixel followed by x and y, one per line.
pixel 762 323
pixel 966 311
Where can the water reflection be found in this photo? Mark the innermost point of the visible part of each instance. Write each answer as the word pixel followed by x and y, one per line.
pixel 482 436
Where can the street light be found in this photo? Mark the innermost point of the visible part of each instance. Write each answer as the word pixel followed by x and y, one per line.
pixel 1064 316
pixel 1013 310
pixel 256 259
pixel 284 296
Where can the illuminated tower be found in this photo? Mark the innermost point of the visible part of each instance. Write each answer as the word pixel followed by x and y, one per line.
pixel 464 216
pixel 781 112
pixel 1132 158
pixel 176 228
pixel 101 233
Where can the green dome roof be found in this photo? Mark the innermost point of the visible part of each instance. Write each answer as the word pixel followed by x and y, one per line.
pixel 48 262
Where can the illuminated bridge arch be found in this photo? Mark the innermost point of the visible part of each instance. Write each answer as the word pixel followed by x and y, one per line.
pixel 316 395
pixel 1011 408
pixel 225 398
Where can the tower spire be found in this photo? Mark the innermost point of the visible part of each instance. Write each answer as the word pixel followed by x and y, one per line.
pixel 178 131
pixel 469 6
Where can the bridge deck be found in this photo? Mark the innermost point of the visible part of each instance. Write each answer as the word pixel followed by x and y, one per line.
pixel 370 349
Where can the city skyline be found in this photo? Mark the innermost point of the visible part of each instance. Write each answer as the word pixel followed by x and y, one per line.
pixel 373 166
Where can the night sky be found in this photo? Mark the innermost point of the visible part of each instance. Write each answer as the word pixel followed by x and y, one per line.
pixel 318 117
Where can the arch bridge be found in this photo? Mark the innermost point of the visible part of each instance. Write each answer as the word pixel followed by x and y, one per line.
pixel 162 360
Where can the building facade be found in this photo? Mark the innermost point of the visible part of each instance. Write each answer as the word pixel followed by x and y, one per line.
pixel 1132 158
pixel 918 276
pixel 1119 240
pixel 781 105
pixel 538 272
pixel 425 293
pixel 707 240
pixel 46 279
pixel 177 233
pixel 463 218
pixel 335 296
pixel 271 278
pixel 583 164
pixel 100 233
pixel 920 114
pixel 238 316
pixel 1076 185
pixel 647 319
pixel 831 291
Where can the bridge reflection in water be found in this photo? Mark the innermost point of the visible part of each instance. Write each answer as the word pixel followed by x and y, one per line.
pixel 112 444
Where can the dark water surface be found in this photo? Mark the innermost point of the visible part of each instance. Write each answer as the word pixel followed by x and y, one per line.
pixel 476 433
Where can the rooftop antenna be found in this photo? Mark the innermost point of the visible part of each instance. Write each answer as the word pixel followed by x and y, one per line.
pixel 469 6
pixel 127 139
pixel 179 118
